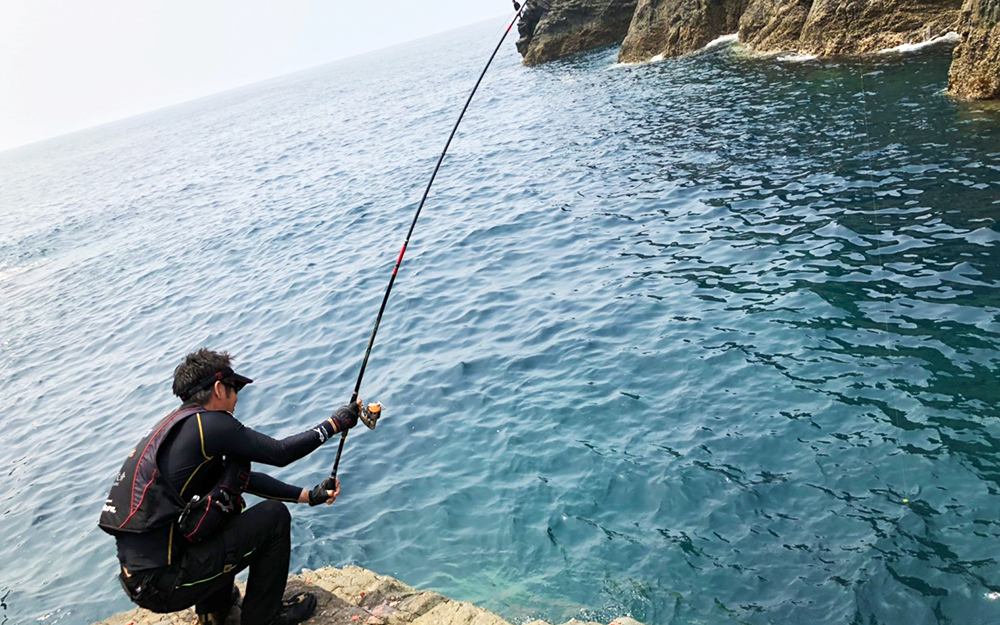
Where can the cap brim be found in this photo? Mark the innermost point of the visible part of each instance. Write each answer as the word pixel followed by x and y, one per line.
pixel 242 380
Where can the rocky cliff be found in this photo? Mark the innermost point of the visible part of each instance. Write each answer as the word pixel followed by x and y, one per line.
pixel 355 596
pixel 769 25
pixel 663 28
pixel 833 27
pixel 551 29
pixel 674 27
pixel 975 72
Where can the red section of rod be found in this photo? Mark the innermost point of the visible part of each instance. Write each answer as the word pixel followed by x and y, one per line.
pixel 399 260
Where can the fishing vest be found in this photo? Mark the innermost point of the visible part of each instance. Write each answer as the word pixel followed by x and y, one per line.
pixel 141 499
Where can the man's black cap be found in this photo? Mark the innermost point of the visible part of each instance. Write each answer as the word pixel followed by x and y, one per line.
pixel 226 375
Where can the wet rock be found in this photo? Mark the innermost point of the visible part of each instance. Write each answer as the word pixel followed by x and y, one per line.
pixel 355 595
pixel 975 71
pixel 774 25
pixel 552 29
pixel 666 28
pixel 836 27
pixel 840 27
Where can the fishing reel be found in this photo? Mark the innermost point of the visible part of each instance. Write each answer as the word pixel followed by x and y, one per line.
pixel 370 414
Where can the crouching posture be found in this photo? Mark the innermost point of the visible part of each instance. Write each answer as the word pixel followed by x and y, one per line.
pixel 176 508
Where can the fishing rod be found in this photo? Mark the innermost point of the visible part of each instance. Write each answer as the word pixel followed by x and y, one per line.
pixel 371 413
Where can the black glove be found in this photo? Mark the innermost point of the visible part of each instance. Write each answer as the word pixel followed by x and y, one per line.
pixel 346 417
pixel 321 492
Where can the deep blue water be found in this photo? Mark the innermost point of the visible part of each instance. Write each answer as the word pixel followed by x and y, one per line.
pixel 689 341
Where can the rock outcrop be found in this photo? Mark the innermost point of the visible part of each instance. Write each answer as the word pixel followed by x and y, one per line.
pixel 650 29
pixel 835 27
pixel 665 28
pixel 353 595
pixel 772 25
pixel 975 72
pixel 552 29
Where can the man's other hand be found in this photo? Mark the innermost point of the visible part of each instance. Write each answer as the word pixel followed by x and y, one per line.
pixel 324 492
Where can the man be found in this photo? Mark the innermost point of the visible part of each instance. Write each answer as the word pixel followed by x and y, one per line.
pixel 176 512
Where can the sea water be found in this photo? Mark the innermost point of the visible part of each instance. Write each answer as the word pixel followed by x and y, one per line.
pixel 709 340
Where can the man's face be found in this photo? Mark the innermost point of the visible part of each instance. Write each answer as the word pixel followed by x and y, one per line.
pixel 223 397
pixel 231 397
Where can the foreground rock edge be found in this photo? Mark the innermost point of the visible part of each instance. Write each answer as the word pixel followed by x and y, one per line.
pixel 356 595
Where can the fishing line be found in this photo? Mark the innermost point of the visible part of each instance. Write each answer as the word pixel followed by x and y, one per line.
pixel 893 413
pixel 399 259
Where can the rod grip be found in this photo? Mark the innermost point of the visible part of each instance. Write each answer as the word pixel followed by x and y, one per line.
pixel 340 451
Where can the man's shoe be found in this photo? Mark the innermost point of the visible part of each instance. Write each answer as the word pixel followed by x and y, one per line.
pixel 296 609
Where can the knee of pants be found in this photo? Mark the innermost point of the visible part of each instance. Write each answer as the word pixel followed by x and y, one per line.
pixel 277 513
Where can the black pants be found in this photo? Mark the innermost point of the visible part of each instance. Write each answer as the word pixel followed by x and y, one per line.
pixel 203 576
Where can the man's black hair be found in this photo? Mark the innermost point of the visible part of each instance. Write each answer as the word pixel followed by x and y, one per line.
pixel 196 367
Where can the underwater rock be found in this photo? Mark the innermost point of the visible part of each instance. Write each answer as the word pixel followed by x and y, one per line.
pixel 552 29
pixel 356 595
pixel 975 71
pixel 666 28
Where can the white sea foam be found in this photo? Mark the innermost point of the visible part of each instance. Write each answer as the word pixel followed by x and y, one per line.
pixel 655 59
pixel 951 37
pixel 796 58
pixel 723 40
pixel 719 41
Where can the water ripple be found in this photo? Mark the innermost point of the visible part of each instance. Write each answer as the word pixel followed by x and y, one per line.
pixel 689 341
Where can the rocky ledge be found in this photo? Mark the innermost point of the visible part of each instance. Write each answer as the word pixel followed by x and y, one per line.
pixel 649 29
pixel 353 595
pixel 839 27
pixel 975 70
pixel 552 29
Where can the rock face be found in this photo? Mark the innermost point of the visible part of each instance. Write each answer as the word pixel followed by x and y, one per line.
pixel 355 595
pixel 857 26
pixel 674 27
pixel 551 29
pixel 772 25
pixel 648 29
pixel 975 72
pixel 832 27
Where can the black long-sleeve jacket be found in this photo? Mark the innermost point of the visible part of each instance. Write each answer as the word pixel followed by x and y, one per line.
pixel 192 460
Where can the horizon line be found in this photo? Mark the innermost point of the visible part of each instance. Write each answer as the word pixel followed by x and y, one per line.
pixel 4 150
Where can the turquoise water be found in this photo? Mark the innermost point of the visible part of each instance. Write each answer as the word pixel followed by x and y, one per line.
pixel 681 341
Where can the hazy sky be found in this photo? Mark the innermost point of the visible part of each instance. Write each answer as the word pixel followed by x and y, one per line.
pixel 71 64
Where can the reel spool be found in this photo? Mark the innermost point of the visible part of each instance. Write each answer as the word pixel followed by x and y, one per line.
pixel 371 413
